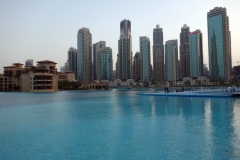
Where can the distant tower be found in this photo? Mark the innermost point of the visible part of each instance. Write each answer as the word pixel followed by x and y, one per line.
pixel 72 60
pixel 205 71
pixel 158 54
pixel 171 60
pixel 184 52
pixel 62 69
pixel 145 62
pixel 29 63
pixel 125 51
pixel 219 44
pixel 96 48
pixel 196 53
pixel 84 55
pixel 66 66
pixel 136 66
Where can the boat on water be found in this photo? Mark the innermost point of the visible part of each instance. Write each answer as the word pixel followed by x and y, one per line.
pixel 129 88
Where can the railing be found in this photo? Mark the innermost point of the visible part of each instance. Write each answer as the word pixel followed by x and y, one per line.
pixel 42 80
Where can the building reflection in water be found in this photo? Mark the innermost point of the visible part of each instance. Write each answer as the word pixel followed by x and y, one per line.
pixel 182 122
pixel 236 125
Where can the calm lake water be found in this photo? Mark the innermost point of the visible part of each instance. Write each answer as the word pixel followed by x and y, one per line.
pixel 117 124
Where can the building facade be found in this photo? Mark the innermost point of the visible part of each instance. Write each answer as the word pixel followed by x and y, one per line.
pixel 105 65
pixel 171 60
pixel 196 53
pixel 9 80
pixel 124 61
pixel 184 52
pixel 72 60
pixel 145 60
pixel 84 55
pixel 219 44
pixel 43 79
pixel 96 48
pixel 136 66
pixel 158 54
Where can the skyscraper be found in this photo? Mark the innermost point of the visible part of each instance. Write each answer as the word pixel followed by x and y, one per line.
pixel 205 71
pixel 145 60
pixel 96 48
pixel 72 60
pixel 184 52
pixel 136 66
pixel 84 55
pixel 124 61
pixel 117 66
pixel 219 44
pixel 171 60
pixel 29 62
pixel 158 54
pixel 62 69
pixel 66 66
pixel 105 64
pixel 196 53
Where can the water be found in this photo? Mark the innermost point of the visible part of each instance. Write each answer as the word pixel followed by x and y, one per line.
pixel 117 125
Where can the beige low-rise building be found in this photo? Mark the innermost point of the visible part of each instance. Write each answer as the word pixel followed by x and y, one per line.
pixel 9 80
pixel 95 85
pixel 43 79
pixel 66 76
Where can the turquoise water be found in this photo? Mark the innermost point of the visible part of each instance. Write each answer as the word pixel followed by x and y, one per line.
pixel 117 125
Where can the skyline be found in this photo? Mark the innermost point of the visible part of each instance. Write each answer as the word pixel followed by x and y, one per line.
pixel 46 30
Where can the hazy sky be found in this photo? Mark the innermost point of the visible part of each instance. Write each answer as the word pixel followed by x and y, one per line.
pixel 46 29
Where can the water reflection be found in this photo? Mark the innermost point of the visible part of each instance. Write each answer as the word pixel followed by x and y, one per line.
pixel 121 124
pixel 236 126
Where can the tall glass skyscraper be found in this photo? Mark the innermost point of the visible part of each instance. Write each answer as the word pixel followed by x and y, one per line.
pixel 219 44
pixel 124 61
pixel 72 60
pixel 184 52
pixel 196 53
pixel 158 54
pixel 145 60
pixel 96 48
pixel 105 64
pixel 171 60
pixel 84 55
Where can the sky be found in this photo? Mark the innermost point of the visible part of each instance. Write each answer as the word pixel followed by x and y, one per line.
pixel 45 30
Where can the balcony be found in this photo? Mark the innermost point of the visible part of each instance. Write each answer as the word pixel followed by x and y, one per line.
pixel 42 80
pixel 42 85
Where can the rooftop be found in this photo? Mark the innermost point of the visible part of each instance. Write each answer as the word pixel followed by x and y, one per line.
pixel 46 61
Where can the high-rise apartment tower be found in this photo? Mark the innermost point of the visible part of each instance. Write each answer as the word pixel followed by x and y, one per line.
pixel 184 52
pixel 84 55
pixel 96 48
pixel 136 66
pixel 196 53
pixel 158 54
pixel 171 60
pixel 124 61
pixel 72 60
pixel 145 60
pixel 105 65
pixel 219 44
